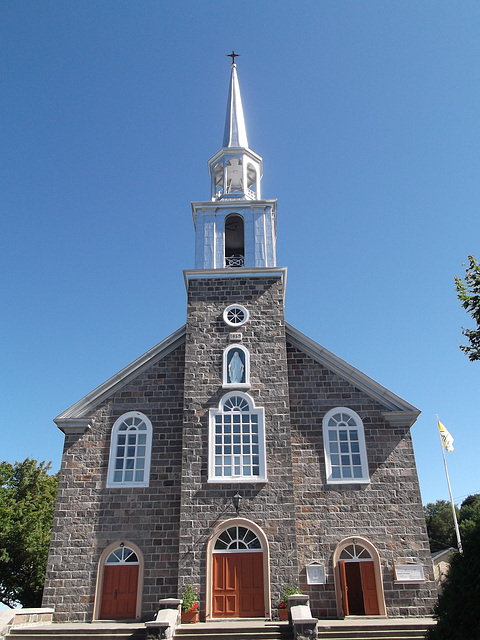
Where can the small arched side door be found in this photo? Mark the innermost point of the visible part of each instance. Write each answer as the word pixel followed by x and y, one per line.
pixel 120 585
pixel 361 593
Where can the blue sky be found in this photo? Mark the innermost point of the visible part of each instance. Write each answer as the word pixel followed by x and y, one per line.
pixel 367 117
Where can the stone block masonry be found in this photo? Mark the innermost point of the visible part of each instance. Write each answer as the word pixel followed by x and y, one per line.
pixel 204 505
pixel 89 516
pixel 171 521
pixel 388 511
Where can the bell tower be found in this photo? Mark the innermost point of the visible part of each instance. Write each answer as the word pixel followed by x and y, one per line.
pixel 236 228
pixel 236 371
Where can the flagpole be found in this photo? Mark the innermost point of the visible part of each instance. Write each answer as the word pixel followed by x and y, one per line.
pixel 457 530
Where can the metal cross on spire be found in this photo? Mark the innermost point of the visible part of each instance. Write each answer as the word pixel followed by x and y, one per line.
pixel 233 55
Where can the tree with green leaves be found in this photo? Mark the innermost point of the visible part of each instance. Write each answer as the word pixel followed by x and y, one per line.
pixel 468 292
pixel 440 525
pixel 458 607
pixel 27 502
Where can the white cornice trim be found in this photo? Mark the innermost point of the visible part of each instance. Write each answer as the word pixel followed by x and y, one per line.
pixel 75 418
pixel 232 204
pixel 402 412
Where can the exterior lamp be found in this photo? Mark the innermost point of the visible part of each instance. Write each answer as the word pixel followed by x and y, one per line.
pixel 236 502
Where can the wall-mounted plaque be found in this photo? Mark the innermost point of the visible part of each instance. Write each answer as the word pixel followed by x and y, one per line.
pixel 315 573
pixel 409 573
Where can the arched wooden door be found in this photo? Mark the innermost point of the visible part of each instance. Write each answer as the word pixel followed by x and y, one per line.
pixel 238 584
pixel 357 581
pixel 120 585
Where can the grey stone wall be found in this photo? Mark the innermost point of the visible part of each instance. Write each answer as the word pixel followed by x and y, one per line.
pixel 172 520
pixel 90 516
pixel 388 511
pixel 270 505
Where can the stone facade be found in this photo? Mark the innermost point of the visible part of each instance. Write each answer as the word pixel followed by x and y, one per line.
pixel 179 387
pixel 171 521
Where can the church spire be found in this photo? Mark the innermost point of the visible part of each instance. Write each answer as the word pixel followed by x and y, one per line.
pixel 235 170
pixel 235 229
pixel 235 134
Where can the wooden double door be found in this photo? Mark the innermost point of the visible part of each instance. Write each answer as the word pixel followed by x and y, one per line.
pixel 119 593
pixel 359 588
pixel 238 585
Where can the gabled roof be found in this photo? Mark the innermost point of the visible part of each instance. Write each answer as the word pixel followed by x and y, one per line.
pixel 438 556
pixel 399 412
pixel 76 417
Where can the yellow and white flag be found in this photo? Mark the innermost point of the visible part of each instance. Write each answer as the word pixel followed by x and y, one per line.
pixel 446 436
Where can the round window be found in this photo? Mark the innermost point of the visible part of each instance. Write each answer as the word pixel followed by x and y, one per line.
pixel 235 315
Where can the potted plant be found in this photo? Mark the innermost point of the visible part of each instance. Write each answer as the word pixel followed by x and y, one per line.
pixel 288 589
pixel 190 604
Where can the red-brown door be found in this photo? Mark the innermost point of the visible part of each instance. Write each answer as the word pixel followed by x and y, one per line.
pixel 238 585
pixel 343 587
pixel 119 593
pixel 359 588
pixel 369 586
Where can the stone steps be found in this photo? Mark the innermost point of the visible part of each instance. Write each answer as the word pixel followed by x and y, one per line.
pixel 403 630
pixel 78 632
pixel 235 631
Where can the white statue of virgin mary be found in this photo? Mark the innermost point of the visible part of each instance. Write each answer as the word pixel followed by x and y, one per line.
pixel 236 369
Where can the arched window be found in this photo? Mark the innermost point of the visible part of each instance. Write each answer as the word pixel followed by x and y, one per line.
pixel 251 179
pixel 234 175
pixel 234 241
pixel 122 555
pixel 236 367
pixel 130 449
pixel 236 441
pixel 237 539
pixel 218 179
pixel 344 445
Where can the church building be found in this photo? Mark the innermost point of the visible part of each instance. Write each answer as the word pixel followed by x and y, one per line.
pixel 238 455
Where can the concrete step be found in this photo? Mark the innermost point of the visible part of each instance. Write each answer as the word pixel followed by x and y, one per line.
pixel 407 629
pixel 79 632
pixel 234 631
pixel 384 630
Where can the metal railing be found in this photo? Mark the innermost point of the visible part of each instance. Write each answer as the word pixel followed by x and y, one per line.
pixel 234 261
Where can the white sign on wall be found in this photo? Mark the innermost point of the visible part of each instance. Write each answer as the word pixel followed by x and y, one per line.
pixel 409 573
pixel 315 573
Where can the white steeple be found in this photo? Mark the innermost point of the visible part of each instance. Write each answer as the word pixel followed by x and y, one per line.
pixel 235 134
pixel 235 170
pixel 236 228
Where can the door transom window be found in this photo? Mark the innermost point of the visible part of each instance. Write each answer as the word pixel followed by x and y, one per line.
pixel 355 552
pixel 237 539
pixel 122 555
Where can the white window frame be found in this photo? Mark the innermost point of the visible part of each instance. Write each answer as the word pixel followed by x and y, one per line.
pixel 114 442
pixel 230 308
pixel 236 385
pixel 220 440
pixel 362 452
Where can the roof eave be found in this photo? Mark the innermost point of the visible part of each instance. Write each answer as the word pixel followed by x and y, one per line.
pixel 400 413
pixel 75 416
